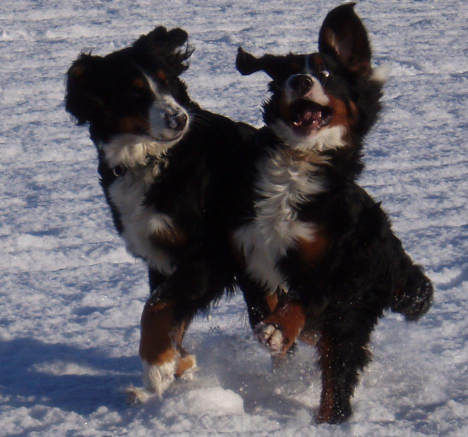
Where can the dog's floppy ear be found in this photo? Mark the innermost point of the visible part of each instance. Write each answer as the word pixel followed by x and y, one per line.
pixel 247 64
pixel 169 49
pixel 160 40
pixel 344 37
pixel 82 99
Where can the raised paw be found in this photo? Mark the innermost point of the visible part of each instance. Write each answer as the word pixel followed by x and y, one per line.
pixel 279 331
pixel 272 337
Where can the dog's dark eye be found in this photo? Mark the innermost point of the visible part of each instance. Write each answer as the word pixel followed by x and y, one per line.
pixel 162 77
pixel 138 89
pixel 138 93
pixel 325 74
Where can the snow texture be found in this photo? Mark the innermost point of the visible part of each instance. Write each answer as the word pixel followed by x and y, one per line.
pixel 71 297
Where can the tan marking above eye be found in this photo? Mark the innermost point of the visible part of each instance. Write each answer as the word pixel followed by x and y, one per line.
pixel 161 75
pixel 354 110
pixel 316 61
pixel 139 83
pixel 77 71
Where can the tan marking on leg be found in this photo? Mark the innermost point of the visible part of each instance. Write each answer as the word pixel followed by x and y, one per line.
pixel 186 363
pixel 161 338
pixel 290 317
pixel 157 322
pixel 272 301
pixel 161 351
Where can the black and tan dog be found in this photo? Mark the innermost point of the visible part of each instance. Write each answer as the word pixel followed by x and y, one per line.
pixel 307 227
pixel 162 163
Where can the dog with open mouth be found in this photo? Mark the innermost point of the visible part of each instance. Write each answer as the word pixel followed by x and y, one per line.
pixel 162 164
pixel 308 233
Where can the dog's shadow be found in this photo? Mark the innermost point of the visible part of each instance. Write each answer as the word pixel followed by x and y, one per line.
pixel 63 376
pixel 82 380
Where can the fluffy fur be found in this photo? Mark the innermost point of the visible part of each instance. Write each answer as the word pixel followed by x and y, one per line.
pixel 307 227
pixel 162 161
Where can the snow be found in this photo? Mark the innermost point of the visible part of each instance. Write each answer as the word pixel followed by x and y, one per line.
pixel 71 297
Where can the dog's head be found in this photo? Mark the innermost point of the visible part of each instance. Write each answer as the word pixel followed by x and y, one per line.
pixel 324 100
pixel 134 92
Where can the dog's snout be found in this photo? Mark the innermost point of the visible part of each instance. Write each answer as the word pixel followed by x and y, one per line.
pixel 180 120
pixel 176 121
pixel 301 84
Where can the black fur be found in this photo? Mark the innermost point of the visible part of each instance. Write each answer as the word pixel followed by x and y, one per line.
pixel 362 269
pixel 190 185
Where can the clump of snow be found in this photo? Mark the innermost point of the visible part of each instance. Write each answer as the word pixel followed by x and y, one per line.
pixel 198 402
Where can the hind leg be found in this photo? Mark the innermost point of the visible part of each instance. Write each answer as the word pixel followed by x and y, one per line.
pixel 343 353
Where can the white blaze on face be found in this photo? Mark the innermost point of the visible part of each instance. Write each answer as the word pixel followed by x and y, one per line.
pixel 162 109
pixel 316 93
pixel 132 150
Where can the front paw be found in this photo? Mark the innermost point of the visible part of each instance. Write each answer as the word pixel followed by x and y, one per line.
pixel 279 331
pixel 158 378
pixel 271 335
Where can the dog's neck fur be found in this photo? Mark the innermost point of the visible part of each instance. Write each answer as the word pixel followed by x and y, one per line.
pixel 288 179
pixel 135 154
pixel 342 160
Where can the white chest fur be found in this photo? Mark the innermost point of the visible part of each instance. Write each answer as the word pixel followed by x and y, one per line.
pixel 140 222
pixel 283 184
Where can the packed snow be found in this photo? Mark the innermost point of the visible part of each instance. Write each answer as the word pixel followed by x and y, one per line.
pixel 71 297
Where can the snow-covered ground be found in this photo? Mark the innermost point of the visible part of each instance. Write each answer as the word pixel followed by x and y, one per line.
pixel 71 297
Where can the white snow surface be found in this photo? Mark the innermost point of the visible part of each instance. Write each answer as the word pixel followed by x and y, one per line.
pixel 71 297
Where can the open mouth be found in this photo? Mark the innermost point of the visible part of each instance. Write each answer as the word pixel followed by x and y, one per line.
pixel 308 116
pixel 165 139
pixel 168 140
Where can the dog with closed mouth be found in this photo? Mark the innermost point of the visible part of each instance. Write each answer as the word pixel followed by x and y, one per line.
pixel 162 161
pixel 306 227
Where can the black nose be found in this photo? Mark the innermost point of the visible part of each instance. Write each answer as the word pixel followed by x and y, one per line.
pixel 176 121
pixel 301 83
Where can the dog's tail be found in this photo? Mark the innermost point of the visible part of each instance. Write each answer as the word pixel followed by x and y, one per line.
pixel 414 298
